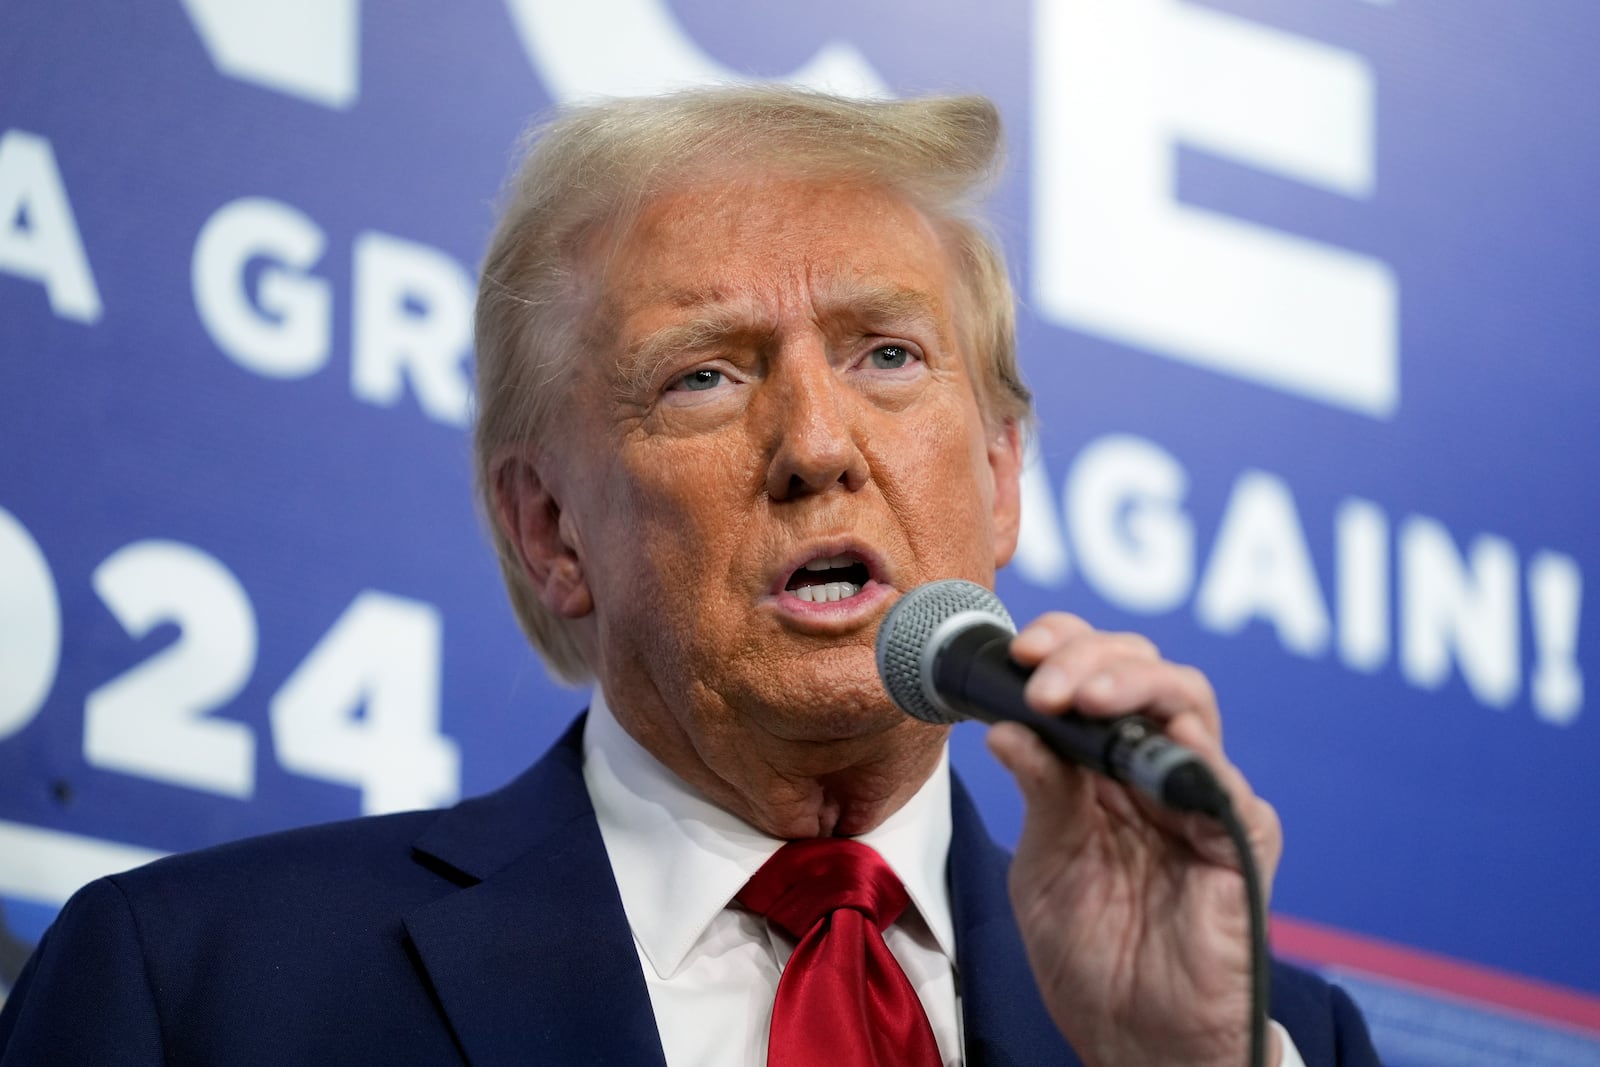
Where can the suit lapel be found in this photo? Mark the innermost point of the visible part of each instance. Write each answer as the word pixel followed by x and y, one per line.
pixel 532 960
pixel 1004 1021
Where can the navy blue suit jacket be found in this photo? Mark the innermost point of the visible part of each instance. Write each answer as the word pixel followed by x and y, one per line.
pixel 488 933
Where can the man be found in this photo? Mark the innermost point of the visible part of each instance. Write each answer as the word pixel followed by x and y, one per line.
pixel 746 375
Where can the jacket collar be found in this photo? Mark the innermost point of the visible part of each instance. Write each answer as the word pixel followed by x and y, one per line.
pixel 1004 1021
pixel 532 959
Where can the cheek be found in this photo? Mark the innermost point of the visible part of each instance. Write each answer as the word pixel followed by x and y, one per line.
pixel 938 480
pixel 966 505
pixel 958 463
pixel 678 509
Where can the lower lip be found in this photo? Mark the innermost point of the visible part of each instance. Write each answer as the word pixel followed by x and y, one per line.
pixel 847 611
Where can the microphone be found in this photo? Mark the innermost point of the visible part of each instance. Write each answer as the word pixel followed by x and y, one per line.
pixel 943 656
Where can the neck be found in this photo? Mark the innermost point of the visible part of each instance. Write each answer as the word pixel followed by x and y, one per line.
pixel 857 767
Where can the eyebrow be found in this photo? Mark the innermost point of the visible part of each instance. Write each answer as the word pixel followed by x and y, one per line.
pixel 883 304
pixel 716 320
pixel 713 323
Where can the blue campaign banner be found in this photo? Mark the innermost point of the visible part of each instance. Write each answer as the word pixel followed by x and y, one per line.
pixel 1307 305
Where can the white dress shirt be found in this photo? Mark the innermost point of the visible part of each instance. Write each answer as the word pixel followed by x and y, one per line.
pixel 712 970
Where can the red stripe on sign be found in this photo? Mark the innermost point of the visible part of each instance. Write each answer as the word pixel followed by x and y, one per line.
pixel 1325 946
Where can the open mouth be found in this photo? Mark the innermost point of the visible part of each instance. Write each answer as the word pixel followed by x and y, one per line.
pixel 829 578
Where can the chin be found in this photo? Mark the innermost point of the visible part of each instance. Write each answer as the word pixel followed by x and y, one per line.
pixel 847 722
pixel 827 703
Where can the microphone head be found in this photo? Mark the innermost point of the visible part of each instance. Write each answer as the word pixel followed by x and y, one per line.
pixel 914 631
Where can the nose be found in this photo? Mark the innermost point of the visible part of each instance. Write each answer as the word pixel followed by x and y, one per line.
pixel 814 423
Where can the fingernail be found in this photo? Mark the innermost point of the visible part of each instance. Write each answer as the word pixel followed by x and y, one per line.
pixel 1030 641
pixel 1100 687
pixel 1050 685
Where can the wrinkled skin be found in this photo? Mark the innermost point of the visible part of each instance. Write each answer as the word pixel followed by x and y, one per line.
pixel 785 378
pixel 1134 918
pixel 680 508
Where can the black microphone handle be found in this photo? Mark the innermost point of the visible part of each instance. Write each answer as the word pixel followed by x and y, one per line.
pixel 975 674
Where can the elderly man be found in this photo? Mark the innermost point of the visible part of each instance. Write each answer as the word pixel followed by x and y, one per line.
pixel 747 375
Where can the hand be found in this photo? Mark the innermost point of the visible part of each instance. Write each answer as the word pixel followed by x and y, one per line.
pixel 1134 917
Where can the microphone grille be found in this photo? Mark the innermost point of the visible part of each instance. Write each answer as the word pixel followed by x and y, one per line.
pixel 906 632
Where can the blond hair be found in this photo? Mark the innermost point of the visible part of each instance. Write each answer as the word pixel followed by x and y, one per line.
pixel 594 168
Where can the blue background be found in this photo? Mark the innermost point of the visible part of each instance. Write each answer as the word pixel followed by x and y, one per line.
pixel 1418 816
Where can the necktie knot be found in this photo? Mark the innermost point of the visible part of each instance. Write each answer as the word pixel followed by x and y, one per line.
pixel 806 881
pixel 843 1000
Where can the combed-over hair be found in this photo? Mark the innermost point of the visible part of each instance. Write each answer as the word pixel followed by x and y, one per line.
pixel 594 168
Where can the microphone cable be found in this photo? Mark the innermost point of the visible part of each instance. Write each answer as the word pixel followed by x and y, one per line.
pixel 980 681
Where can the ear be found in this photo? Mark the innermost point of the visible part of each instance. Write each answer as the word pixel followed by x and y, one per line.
pixel 544 539
pixel 1005 466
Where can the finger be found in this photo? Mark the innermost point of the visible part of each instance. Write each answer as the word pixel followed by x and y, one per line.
pixel 1159 689
pixel 1036 769
pixel 1052 789
pixel 1194 734
pixel 1056 678
pixel 1061 799
pixel 1049 631
pixel 1198 834
pixel 1260 819
pixel 1060 795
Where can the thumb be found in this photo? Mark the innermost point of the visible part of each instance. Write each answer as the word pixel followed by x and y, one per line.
pixel 1052 788
pixel 1024 755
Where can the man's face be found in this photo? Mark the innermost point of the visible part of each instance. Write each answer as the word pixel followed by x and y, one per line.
pixel 785 388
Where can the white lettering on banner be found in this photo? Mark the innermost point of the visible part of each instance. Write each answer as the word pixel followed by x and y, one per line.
pixel 412 307
pixel 39 239
pixel 154 720
pixel 363 708
pixel 283 332
pixel 1555 589
pixel 1361 535
pixel 1260 569
pixel 306 48
pixel 637 47
pixel 1119 85
pixel 1461 610
pixel 1135 544
pixel 413 319
pixel 48 866
pixel 30 626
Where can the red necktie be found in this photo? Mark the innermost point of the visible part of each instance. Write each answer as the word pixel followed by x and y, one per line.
pixel 843 1000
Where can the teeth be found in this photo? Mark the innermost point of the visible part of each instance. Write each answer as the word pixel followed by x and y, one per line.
pixel 829 563
pixel 827 592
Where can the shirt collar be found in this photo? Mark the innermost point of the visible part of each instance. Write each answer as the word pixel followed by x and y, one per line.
pixel 679 858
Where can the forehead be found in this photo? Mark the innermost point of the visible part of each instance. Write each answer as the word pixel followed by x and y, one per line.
pixel 777 246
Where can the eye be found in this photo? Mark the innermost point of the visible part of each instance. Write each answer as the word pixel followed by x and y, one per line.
pixel 890 357
pixel 698 381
